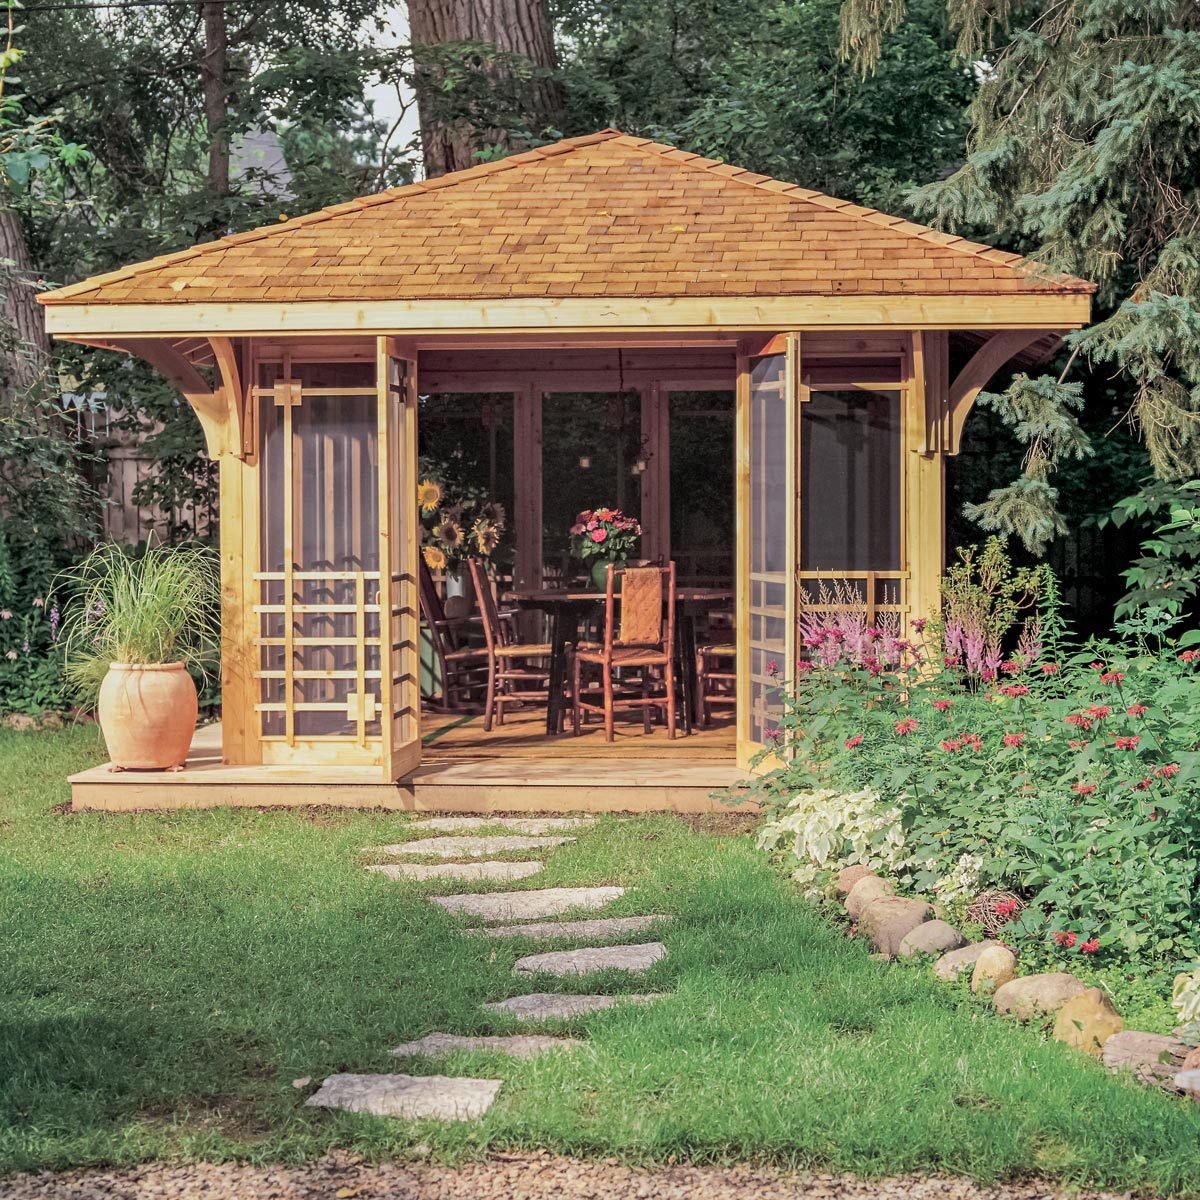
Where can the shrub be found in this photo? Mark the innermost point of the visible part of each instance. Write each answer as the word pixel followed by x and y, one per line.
pixel 1070 781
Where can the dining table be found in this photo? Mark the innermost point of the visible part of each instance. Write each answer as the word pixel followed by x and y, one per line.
pixel 565 610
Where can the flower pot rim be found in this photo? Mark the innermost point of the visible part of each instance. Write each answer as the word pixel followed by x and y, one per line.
pixel 178 665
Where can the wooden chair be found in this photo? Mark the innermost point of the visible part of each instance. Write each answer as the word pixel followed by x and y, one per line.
pixel 463 666
pixel 644 641
pixel 517 672
pixel 716 679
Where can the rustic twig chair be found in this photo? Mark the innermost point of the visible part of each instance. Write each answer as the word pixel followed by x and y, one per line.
pixel 518 673
pixel 644 639
pixel 463 666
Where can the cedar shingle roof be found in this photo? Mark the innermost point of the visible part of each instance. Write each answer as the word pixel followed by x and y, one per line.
pixel 603 215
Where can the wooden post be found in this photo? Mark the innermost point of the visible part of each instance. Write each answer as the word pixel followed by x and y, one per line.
pixel 926 408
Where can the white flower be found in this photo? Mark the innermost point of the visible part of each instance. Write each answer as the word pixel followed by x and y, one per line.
pixel 12 654
pixel 6 614
pixel 38 602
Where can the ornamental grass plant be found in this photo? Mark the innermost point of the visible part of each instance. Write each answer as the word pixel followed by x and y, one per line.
pixel 160 606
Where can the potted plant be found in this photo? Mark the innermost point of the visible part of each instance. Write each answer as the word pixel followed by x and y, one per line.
pixel 132 630
pixel 601 538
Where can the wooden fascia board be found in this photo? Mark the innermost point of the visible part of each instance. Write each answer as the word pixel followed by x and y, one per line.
pixel 975 375
pixel 573 314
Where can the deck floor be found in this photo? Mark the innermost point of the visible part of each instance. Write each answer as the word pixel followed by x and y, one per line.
pixel 514 768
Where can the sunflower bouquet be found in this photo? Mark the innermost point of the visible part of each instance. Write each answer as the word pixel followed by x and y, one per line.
pixel 457 524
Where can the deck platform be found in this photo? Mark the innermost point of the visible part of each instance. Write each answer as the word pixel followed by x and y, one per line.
pixel 515 768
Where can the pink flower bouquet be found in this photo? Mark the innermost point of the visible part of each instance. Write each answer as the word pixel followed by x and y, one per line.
pixel 602 536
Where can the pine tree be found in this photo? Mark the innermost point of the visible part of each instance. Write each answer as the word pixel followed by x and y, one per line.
pixel 1082 144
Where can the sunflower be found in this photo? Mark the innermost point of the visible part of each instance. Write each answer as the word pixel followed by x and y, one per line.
pixel 493 513
pixel 486 535
pixel 429 495
pixel 435 558
pixel 449 532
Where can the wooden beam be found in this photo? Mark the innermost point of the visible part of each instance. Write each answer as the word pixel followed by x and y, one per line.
pixel 980 368
pixel 1042 311
pixel 225 358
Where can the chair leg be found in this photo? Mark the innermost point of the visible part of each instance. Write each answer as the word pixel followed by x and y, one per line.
pixel 575 682
pixel 491 697
pixel 670 683
pixel 645 699
pixel 610 733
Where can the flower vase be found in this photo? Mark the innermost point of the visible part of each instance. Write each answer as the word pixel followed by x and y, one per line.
pixel 600 573
pixel 459 599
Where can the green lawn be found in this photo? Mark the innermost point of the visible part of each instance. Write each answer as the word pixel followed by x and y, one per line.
pixel 165 978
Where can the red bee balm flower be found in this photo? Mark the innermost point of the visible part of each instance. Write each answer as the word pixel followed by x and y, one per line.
pixel 1189 656
pixel 943 705
pixel 907 726
pixel 1112 677
pixel 1168 771
pixel 1126 743
pixel 1090 946
pixel 950 745
pixel 856 740
pixel 1099 711
pixel 1049 668
pixel 1084 789
pixel 1006 909
pixel 1065 938
pixel 1014 739
pixel 1015 689
pixel 1078 720
pixel 1138 710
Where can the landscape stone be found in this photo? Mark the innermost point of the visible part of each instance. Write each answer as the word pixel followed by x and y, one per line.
pixel 932 937
pixel 1036 995
pixel 553 1006
pixel 866 891
pixel 472 847
pixel 640 957
pixel 994 968
pixel 536 825
pixel 847 877
pixel 520 1045
pixel 886 922
pixel 530 905
pixel 1087 1021
pixel 1154 1058
pixel 414 1097
pixel 1188 1079
pixel 597 927
pixel 500 871
pixel 951 965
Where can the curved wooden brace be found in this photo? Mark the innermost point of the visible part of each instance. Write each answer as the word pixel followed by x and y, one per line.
pixel 980 367
pixel 220 410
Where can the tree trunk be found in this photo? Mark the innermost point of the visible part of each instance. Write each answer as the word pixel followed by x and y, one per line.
pixel 26 345
pixel 520 27
pixel 216 99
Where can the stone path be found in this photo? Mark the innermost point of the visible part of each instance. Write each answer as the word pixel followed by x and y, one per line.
pixel 458 1098
pixel 591 959
pixel 500 871
pixel 553 1006
pixel 518 906
pixel 597 928
pixel 472 847
pixel 514 824
pixel 416 1097
pixel 518 1045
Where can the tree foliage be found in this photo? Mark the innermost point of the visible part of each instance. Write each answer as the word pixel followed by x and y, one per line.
pixel 1082 149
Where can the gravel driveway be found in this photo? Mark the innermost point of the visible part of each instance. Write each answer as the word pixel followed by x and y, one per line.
pixel 506 1177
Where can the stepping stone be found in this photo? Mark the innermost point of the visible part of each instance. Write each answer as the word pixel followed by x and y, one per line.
pixel 592 958
pixel 598 927
pixel 520 906
pixel 551 1006
pixel 414 1097
pixel 521 1045
pixel 500 871
pixel 472 847
pixel 515 824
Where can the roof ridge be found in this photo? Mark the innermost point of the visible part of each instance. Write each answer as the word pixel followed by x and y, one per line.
pixel 509 162
pixel 794 191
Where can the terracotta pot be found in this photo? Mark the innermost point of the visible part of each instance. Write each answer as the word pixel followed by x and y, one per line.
pixel 148 715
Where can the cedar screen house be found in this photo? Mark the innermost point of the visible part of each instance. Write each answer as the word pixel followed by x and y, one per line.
pixel 850 346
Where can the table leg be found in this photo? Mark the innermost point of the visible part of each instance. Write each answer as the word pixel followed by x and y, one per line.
pixel 559 622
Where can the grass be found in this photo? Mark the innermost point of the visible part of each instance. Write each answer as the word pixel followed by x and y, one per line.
pixel 166 977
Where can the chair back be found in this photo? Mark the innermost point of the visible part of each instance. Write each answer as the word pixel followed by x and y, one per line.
pixel 431 602
pixel 644 594
pixel 494 630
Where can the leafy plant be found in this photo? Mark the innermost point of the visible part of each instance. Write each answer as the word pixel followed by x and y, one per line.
pixel 159 607
pixel 1071 781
